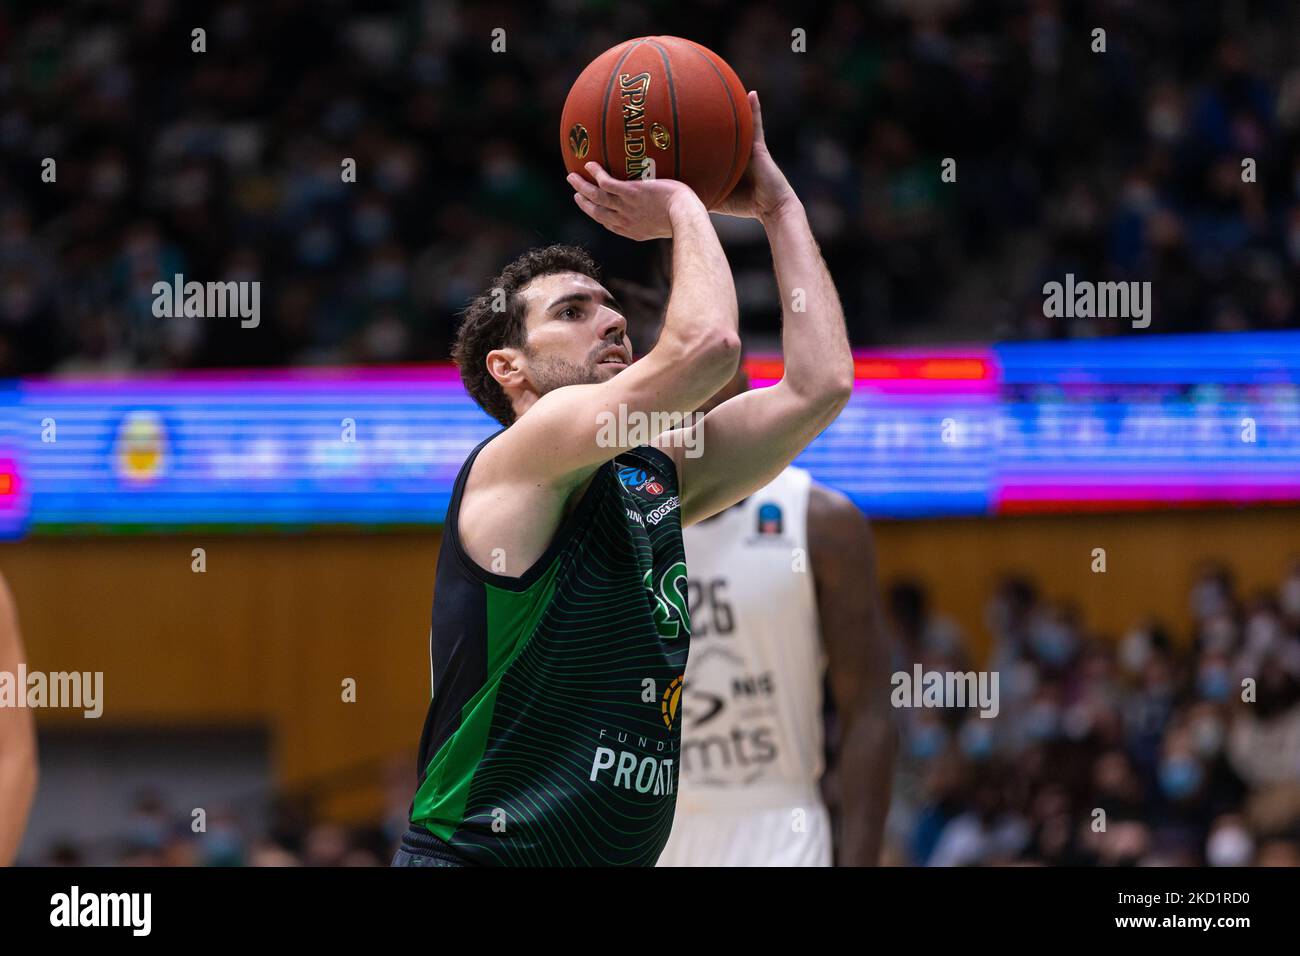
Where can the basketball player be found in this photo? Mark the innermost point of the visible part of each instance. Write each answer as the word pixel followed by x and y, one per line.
pixel 17 739
pixel 560 625
pixel 781 583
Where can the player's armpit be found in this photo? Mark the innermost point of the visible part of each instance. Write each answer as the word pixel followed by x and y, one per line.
pixel 745 443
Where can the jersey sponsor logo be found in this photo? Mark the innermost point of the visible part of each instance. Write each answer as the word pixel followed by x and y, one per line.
pixel 638 479
pixel 750 750
pixel 711 705
pixel 631 772
pixel 663 511
pixel 630 769
pixel 671 701
pixel 753 692
pixel 635 516
pixel 747 748
pixel 672 617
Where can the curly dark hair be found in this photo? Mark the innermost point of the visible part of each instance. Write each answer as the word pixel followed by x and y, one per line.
pixel 495 320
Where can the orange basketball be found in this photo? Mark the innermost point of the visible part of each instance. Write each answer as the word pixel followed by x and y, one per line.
pixel 663 108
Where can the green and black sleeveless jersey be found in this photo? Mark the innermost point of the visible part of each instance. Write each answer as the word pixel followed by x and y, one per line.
pixel 553 735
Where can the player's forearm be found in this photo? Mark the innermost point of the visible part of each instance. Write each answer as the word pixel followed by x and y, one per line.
pixel 866 766
pixel 17 741
pixel 702 305
pixel 17 754
pixel 17 785
pixel 818 360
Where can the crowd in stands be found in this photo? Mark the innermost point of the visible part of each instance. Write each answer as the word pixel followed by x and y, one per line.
pixel 1147 748
pixel 228 164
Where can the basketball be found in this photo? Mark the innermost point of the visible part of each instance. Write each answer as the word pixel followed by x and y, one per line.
pixel 664 108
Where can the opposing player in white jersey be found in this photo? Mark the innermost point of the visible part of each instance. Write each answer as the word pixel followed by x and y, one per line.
pixel 782 584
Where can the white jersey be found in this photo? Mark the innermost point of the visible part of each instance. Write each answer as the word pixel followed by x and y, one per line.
pixel 752 736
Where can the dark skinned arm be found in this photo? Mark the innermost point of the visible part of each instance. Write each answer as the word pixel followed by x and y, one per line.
pixel 843 558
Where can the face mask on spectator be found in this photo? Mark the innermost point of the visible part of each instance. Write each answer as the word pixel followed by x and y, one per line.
pixel 997 616
pixel 371 225
pixel 1262 631
pixel 1054 642
pixel 977 739
pixel 148 832
pixel 1230 846
pixel 1220 633
pixel 316 246
pixel 222 846
pixel 1135 651
pixel 1207 736
pixel 1213 683
pixel 1208 599
pixel 1042 722
pixel 387 280
pixel 1078 722
pixel 1023 681
pixel 1290 596
pixel 1180 777
pixel 927 740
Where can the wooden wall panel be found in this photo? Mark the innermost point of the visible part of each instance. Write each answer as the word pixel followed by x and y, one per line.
pixel 272 628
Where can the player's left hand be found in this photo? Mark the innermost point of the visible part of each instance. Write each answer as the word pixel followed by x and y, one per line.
pixel 763 188
pixel 637 209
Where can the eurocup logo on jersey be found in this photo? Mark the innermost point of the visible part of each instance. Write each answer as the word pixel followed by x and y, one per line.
pixel 769 518
pixel 769 526
pixel 638 479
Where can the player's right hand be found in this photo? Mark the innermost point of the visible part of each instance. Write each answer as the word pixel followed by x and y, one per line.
pixel 638 209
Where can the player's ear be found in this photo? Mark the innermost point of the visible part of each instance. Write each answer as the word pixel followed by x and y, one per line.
pixel 507 366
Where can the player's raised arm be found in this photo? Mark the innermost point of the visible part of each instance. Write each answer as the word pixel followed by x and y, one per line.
pixel 746 441
pixel 567 431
